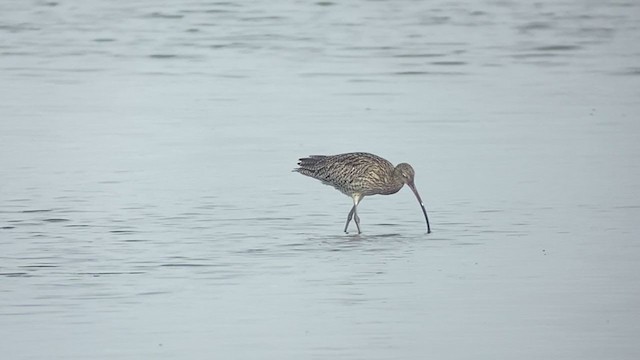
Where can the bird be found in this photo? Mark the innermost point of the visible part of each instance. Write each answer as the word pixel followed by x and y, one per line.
pixel 360 174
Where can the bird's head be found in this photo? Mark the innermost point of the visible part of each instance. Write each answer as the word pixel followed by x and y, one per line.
pixel 405 172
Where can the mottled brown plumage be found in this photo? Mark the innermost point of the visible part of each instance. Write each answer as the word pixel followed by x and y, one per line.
pixel 358 175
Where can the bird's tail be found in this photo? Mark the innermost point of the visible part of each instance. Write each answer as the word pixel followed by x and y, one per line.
pixel 310 165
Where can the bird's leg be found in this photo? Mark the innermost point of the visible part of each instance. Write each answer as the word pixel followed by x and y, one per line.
pixel 353 210
pixel 356 218
pixel 353 214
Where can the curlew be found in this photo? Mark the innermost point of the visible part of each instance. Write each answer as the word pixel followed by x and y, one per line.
pixel 358 175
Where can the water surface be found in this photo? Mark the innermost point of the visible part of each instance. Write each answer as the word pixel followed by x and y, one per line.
pixel 148 209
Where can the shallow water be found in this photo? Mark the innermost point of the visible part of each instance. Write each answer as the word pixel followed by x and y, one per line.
pixel 148 208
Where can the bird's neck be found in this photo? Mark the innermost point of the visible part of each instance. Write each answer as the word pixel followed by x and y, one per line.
pixel 394 185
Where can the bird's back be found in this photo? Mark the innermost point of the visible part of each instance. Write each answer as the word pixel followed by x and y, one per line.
pixel 351 173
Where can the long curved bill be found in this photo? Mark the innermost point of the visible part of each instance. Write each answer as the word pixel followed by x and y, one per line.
pixel 424 210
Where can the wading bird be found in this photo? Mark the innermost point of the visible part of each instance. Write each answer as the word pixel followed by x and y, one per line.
pixel 358 175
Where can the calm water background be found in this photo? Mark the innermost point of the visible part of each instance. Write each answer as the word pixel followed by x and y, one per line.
pixel 147 208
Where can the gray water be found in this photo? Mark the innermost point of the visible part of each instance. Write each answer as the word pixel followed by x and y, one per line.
pixel 148 209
